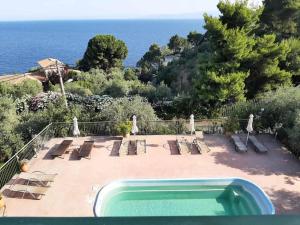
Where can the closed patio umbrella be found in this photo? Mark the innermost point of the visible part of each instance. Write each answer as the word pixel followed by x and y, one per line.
pixel 249 127
pixel 192 124
pixel 76 131
pixel 135 129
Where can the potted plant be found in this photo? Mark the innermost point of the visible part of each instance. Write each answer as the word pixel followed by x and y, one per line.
pixel 24 165
pixel 124 128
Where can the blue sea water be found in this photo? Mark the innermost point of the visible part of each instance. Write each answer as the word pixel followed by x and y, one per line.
pixel 22 44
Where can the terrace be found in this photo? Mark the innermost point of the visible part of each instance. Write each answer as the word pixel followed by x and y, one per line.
pixel 77 183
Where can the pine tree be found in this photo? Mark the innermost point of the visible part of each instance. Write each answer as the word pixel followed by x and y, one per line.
pixel 264 66
pixel 281 17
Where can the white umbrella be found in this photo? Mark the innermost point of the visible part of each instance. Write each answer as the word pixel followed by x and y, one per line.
pixel 249 127
pixel 192 124
pixel 135 129
pixel 76 131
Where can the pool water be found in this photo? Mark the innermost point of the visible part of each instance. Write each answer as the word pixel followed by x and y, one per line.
pixel 178 200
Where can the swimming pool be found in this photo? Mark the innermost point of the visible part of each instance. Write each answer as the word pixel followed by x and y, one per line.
pixel 184 197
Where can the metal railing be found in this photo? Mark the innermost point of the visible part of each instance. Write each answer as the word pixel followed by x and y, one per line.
pixel 103 128
pixel 12 166
pixel 159 127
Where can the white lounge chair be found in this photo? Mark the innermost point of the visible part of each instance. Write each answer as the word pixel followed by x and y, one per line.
pixel 259 147
pixel 123 151
pixel 141 147
pixel 38 177
pixel 183 147
pixel 239 145
pixel 35 191
pixel 200 143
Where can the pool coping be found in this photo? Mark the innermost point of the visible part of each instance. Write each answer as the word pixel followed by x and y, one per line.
pixel 261 198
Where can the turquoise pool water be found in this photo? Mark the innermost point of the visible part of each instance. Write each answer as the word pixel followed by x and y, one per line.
pixel 178 199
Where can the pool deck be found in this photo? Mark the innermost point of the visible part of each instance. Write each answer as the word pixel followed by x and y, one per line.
pixel 75 187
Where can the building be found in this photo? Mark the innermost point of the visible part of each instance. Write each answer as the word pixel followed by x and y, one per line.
pixel 51 66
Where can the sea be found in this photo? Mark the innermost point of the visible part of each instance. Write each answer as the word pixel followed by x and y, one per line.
pixel 22 44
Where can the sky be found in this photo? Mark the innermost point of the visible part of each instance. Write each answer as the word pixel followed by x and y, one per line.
pixel 16 10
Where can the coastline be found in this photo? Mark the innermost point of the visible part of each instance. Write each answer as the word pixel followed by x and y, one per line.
pixel 66 40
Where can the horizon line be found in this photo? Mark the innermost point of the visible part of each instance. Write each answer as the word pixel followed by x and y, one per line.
pixel 98 19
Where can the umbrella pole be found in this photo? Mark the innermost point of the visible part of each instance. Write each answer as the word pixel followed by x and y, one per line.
pixel 247 139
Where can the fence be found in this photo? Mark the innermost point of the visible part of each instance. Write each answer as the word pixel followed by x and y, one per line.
pixel 104 128
pixel 11 167
pixel 161 127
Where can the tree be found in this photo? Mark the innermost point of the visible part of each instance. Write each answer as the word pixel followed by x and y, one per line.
pixel 103 52
pixel 220 78
pixel 264 65
pixel 10 141
pixel 130 74
pixel 150 63
pixel 239 15
pixel 292 62
pixel 281 17
pixel 195 38
pixel 177 44
pixel 163 92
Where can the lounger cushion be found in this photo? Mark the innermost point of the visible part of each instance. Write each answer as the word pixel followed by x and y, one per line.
pixel 41 177
pixel 86 149
pixel 239 145
pixel 62 148
pixel 258 146
pixel 30 189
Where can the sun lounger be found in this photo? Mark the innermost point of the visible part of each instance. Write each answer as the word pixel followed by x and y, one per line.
pixel 183 147
pixel 200 143
pixel 35 191
pixel 124 147
pixel 62 148
pixel 199 135
pixel 38 177
pixel 259 147
pixel 86 149
pixel 141 147
pixel 201 146
pixel 239 145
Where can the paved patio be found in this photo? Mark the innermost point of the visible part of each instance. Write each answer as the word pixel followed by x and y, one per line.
pixel 78 181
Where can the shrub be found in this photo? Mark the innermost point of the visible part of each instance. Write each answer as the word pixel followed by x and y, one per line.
pixel 130 74
pixel 34 122
pixel 294 135
pixel 6 89
pixel 94 80
pixel 124 108
pixel 273 108
pixel 26 87
pixel 232 125
pixel 10 140
pixel 117 88
pixel 75 88
pixel 42 100
pixel 143 90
